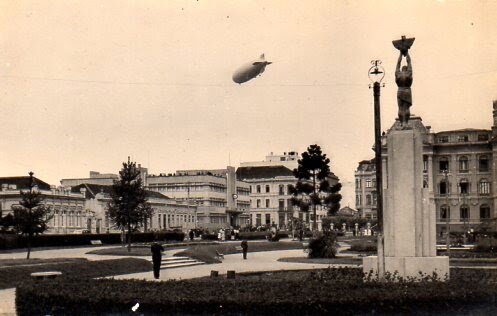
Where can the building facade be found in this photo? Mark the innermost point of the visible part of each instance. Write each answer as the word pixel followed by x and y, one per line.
pixel 459 169
pixel 269 191
pixel 365 189
pixel 221 200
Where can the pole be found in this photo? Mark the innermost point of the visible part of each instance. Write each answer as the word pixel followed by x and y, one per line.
pixel 30 213
pixel 447 211
pixel 379 182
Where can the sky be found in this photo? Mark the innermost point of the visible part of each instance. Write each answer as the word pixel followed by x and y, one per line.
pixel 85 84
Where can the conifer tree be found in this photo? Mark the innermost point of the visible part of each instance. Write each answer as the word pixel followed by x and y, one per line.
pixel 30 216
pixel 128 207
pixel 313 186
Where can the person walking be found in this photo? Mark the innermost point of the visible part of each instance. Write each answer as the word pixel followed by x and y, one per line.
pixel 244 249
pixel 157 250
pixel 191 234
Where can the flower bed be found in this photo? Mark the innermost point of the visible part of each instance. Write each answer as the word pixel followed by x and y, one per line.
pixel 331 291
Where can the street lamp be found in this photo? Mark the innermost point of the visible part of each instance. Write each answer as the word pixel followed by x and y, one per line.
pixel 376 74
pixel 447 210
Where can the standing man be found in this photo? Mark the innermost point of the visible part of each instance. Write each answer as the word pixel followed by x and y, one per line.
pixel 191 234
pixel 157 250
pixel 244 249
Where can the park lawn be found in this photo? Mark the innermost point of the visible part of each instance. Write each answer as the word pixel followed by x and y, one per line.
pixel 336 260
pixel 36 261
pixel 207 253
pixel 144 250
pixel 80 268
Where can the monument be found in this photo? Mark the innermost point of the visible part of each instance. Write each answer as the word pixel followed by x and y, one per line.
pixel 409 215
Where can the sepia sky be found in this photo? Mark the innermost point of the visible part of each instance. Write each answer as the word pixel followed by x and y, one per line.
pixel 84 84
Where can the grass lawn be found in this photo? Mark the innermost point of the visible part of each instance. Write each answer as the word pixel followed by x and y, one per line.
pixel 33 262
pixel 207 253
pixel 12 276
pixel 144 249
pixel 337 260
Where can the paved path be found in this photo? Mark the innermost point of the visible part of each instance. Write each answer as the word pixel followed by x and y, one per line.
pixel 256 261
pixel 7 302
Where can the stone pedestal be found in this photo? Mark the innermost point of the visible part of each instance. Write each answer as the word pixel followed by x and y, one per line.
pixel 409 215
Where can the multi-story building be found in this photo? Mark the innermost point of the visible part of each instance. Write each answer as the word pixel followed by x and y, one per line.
pixel 69 211
pixel 221 200
pixel 167 213
pixel 365 189
pixel 269 191
pixel 459 170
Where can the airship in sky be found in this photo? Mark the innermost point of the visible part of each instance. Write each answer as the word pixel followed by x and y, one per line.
pixel 250 70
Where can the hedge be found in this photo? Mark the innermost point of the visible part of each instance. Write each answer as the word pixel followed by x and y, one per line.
pixel 261 235
pixel 332 291
pixel 13 241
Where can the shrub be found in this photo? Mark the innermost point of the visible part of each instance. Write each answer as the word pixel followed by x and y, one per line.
pixel 366 245
pixel 323 245
pixel 486 245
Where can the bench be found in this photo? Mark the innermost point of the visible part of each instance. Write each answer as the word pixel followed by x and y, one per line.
pixel 238 248
pixel 96 242
pixel 45 275
pixel 219 255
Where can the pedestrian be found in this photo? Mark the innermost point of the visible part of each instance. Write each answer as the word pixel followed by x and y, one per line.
pixel 301 234
pixel 157 250
pixel 191 234
pixel 244 249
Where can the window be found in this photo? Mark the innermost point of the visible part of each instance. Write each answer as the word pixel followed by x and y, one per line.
pixel 368 183
pixel 464 214
pixel 267 188
pixel 444 187
pixel 258 189
pixel 250 189
pixel 268 219
pixel 484 211
pixel 281 205
pixel 462 138
pixel 258 220
pixel 374 182
pixel 463 164
pixel 281 189
pixel 368 199
pixel 358 200
pixel 443 139
pixel 482 137
pixel 443 164
pixel 464 186
pixel 425 164
pixel 444 212
pixel 483 164
pixel 258 203
pixel 425 181
pixel 484 187
pixel 267 203
pixel 375 198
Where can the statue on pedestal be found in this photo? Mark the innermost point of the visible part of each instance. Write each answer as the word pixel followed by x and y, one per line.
pixel 403 78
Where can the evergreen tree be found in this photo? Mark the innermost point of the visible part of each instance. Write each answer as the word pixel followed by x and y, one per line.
pixel 128 207
pixel 30 216
pixel 313 187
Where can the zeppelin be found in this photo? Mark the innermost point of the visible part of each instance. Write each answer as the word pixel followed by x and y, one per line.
pixel 250 70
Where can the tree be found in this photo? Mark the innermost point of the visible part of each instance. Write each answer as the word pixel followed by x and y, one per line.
pixel 30 216
pixel 128 207
pixel 313 186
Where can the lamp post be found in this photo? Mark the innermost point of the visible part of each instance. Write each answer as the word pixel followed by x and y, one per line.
pixel 376 74
pixel 447 210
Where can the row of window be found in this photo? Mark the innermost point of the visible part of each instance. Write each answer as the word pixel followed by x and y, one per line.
pixel 461 138
pixel 463 161
pixel 464 212
pixel 464 187
pixel 168 220
pixel 281 204
pixel 370 183
pixel 371 199
pixel 194 188
pixel 267 189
